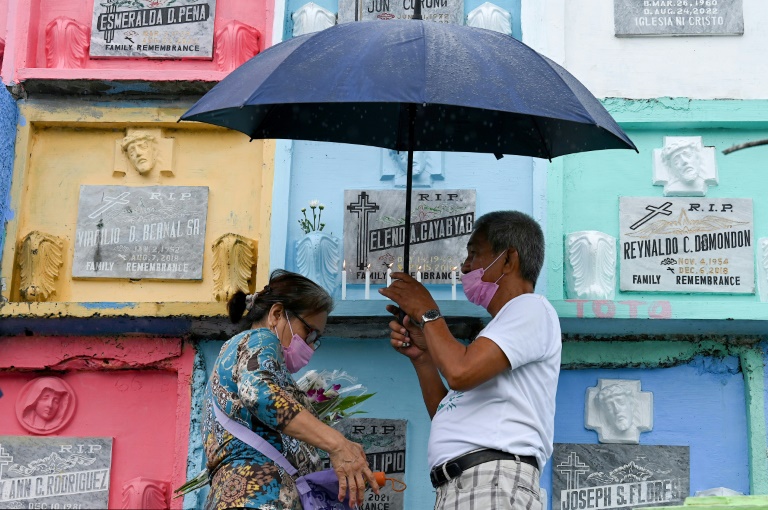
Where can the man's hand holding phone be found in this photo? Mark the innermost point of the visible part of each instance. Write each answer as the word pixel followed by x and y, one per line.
pixel 406 337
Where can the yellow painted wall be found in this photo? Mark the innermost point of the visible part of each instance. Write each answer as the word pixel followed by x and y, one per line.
pixel 60 148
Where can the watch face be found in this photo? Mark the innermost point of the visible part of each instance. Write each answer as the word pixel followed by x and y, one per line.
pixel 431 315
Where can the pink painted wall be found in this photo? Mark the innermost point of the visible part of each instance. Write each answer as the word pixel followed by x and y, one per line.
pixel 3 18
pixel 26 41
pixel 3 26
pixel 135 390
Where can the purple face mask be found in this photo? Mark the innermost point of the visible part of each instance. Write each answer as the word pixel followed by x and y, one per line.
pixel 478 291
pixel 298 353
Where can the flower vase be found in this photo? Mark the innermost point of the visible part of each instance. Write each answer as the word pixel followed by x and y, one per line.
pixel 318 258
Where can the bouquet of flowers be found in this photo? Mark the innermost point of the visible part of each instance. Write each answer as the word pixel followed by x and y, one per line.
pixel 333 394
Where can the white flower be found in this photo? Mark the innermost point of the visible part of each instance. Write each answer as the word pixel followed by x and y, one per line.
pixel 314 203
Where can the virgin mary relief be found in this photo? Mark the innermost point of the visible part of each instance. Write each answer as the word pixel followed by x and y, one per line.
pixel 45 405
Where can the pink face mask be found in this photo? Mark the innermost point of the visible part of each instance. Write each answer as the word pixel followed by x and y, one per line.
pixel 298 353
pixel 478 291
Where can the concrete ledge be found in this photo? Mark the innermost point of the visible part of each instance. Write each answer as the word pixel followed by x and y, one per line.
pixel 107 83
pixel 369 318
pixel 720 503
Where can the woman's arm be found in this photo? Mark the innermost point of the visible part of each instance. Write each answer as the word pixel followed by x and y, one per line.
pixel 347 457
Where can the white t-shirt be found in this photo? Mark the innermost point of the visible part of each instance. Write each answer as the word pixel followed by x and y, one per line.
pixel 515 411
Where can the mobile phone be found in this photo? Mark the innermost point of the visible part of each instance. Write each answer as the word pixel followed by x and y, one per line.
pixel 400 315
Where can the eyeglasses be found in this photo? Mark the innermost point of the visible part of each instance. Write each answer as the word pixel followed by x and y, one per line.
pixel 313 338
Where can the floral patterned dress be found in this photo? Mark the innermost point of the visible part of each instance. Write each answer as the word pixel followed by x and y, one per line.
pixel 252 385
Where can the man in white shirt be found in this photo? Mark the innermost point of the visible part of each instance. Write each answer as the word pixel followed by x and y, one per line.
pixel 492 428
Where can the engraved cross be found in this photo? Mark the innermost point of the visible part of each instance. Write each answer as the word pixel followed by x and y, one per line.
pixel 4 459
pixel 572 468
pixel 110 202
pixel 362 208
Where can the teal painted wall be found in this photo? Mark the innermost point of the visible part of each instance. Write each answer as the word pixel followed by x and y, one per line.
pixel 584 191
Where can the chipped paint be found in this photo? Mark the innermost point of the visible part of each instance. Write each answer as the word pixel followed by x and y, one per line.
pixel 195 457
pixel 753 366
pixel 708 357
pixel 142 370
pixel 8 120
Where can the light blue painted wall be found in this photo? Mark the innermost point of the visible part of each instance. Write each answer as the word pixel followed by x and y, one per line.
pixel 700 405
pixel 9 114
pixel 323 171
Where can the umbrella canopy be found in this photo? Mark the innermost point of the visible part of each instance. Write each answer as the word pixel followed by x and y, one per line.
pixel 412 85
pixel 467 89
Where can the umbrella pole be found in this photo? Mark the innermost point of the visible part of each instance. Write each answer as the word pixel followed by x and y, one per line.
pixel 409 188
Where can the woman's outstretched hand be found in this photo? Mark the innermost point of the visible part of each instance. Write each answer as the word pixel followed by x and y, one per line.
pixel 351 466
pixel 347 457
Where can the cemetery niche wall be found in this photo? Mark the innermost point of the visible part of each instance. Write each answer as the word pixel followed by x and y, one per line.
pixel 129 206
pixel 160 41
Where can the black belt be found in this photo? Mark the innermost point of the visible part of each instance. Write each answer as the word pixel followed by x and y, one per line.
pixel 442 473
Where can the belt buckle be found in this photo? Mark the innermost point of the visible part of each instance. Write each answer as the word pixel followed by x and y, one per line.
pixel 445 472
pixel 440 475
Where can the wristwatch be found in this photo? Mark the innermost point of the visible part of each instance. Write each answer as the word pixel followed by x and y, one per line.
pixel 429 316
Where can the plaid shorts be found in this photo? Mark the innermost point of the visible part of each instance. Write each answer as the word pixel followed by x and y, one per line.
pixel 494 485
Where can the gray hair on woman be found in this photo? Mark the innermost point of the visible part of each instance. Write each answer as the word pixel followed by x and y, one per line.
pixel 295 292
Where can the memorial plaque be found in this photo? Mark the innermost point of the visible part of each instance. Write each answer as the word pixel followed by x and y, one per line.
pixel 678 17
pixel 153 28
pixel 140 232
pixel 374 232
pixel 384 444
pixel 443 11
pixel 612 476
pixel 54 472
pixel 690 245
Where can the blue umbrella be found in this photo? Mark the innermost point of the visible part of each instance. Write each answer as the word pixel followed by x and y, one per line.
pixel 412 85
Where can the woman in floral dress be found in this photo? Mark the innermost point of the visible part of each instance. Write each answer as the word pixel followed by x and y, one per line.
pixel 251 382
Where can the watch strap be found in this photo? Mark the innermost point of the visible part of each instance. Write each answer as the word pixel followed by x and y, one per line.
pixel 429 316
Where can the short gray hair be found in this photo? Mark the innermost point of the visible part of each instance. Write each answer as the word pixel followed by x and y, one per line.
pixel 513 229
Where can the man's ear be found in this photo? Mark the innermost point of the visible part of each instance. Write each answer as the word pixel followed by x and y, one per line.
pixel 512 261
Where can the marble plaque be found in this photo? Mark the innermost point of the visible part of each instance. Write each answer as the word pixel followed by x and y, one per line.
pixel 678 17
pixel 605 477
pixel 54 472
pixel 153 28
pixel 153 232
pixel 443 11
pixel 374 232
pixel 691 245
pixel 384 444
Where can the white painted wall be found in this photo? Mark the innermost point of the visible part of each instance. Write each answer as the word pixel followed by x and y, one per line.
pixel 580 35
